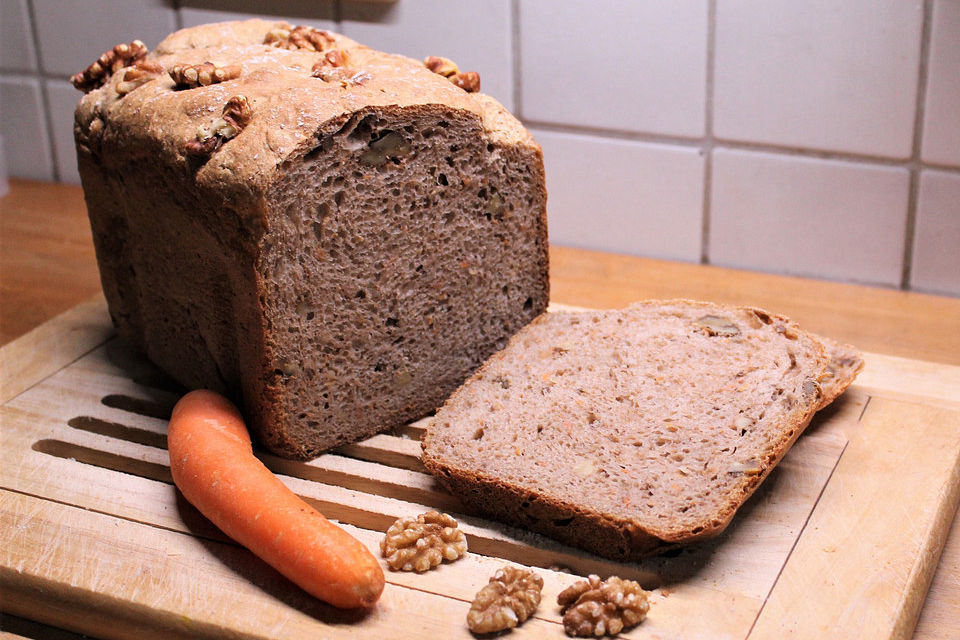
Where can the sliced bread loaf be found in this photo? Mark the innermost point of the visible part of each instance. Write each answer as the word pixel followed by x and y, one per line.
pixel 335 236
pixel 624 432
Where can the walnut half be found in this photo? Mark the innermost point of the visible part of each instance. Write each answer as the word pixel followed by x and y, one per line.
pixel 511 596
pixel 138 75
pixel 111 61
pixel 299 37
pixel 594 607
pixel 441 66
pixel 469 81
pixel 421 543
pixel 202 75
pixel 235 117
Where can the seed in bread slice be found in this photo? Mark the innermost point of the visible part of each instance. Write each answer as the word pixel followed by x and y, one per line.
pixel 626 432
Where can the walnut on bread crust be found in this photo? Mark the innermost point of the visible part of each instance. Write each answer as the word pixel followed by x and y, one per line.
pixel 142 72
pixel 469 81
pixel 300 37
pixel 111 61
pixel 235 117
pixel 441 66
pixel 201 75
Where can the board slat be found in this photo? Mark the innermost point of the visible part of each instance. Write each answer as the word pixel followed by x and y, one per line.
pixel 867 555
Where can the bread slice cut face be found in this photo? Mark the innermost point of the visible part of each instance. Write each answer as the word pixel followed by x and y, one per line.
pixel 626 432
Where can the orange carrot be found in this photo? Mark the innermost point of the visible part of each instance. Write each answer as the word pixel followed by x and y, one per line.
pixel 213 465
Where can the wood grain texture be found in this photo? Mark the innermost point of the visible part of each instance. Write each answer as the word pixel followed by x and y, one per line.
pixel 46 349
pixel 868 552
pixel 47 263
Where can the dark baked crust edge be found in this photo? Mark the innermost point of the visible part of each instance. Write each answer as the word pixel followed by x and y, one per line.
pixel 605 535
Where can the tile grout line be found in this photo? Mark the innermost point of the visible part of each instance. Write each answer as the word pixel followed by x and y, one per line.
pixel 708 140
pixel 337 16
pixel 615 134
pixel 757 147
pixel 177 15
pixel 916 164
pixel 44 95
pixel 516 65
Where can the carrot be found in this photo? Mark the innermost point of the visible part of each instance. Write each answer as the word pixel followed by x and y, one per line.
pixel 212 462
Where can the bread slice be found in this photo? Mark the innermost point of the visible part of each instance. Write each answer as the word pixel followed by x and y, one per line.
pixel 845 364
pixel 342 263
pixel 625 432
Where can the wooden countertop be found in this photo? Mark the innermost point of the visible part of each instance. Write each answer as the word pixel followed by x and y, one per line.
pixel 47 266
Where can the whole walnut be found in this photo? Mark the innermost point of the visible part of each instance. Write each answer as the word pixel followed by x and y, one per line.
pixel 421 543
pixel 594 607
pixel 508 599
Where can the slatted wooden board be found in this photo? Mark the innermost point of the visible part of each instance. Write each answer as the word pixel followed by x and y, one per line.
pixel 840 541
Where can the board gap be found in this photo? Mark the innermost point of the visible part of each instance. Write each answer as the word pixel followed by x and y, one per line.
pixel 103 459
pixel 148 408
pixel 119 431
pixel 511 551
pixel 364 483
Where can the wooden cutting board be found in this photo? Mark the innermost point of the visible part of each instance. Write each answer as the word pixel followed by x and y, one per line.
pixel 840 541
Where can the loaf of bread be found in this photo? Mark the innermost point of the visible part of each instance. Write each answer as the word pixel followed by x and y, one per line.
pixel 335 236
pixel 627 432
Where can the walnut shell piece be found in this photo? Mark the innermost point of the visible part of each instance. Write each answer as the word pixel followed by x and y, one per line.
pixel 299 37
pixel 235 117
pixel 508 599
pixel 421 543
pixel 111 61
pixel 594 607
pixel 191 76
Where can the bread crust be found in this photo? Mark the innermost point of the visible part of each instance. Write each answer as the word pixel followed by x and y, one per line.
pixel 595 530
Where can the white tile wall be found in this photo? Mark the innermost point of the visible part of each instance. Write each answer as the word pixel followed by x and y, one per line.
pixel 63 100
pixel 808 216
pixel 315 13
pixel 588 205
pixel 24 129
pixel 809 120
pixel 936 258
pixel 475 35
pixel 73 33
pixel 17 52
pixel 941 124
pixel 630 66
pixel 819 74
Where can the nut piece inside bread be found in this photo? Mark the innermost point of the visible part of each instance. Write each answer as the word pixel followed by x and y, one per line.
pixel 626 432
